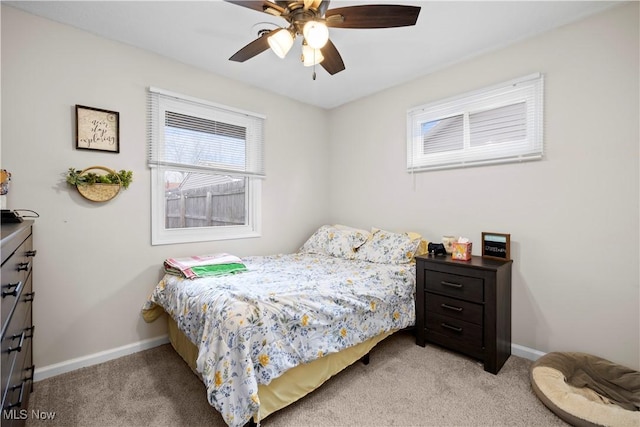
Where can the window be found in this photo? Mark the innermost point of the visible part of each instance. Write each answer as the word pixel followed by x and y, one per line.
pixel 495 125
pixel 207 166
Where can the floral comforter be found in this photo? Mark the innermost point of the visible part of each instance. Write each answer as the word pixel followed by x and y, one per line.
pixel 285 310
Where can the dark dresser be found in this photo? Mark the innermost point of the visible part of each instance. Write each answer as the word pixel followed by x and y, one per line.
pixel 465 306
pixel 17 325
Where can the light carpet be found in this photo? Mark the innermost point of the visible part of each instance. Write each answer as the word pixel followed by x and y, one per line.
pixel 404 385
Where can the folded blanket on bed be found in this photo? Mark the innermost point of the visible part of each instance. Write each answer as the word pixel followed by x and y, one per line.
pixel 204 265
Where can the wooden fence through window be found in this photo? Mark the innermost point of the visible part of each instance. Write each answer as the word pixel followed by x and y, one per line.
pixel 208 206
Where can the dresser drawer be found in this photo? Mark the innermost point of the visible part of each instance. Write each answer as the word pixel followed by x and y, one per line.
pixel 13 237
pixel 12 287
pixel 8 366
pixel 17 337
pixel 21 315
pixel 467 334
pixel 15 364
pixel 15 272
pixel 20 381
pixel 465 287
pixel 454 308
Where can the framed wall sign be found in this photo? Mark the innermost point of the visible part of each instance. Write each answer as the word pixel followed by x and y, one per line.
pixel 496 245
pixel 97 129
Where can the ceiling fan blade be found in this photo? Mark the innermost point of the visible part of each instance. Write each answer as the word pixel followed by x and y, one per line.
pixel 323 6
pixel 332 60
pixel 372 16
pixel 254 48
pixel 261 6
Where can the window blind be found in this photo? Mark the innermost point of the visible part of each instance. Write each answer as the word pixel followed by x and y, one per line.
pixel 498 125
pixel 443 135
pixel 494 125
pixel 198 136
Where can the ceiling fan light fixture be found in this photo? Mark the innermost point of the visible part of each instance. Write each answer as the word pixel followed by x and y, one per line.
pixel 315 33
pixel 280 42
pixel 272 11
pixel 311 56
pixel 311 18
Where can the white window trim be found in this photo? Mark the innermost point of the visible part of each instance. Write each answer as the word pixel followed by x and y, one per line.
pixel 529 88
pixel 161 235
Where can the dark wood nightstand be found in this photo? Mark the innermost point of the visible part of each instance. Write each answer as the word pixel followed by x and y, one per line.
pixel 465 306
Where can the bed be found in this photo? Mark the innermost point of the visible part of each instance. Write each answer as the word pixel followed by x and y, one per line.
pixel 262 338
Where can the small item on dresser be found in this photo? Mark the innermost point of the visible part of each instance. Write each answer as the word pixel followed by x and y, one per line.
pixel 9 217
pixel 5 177
pixel 448 241
pixel 496 245
pixel 436 249
pixel 461 250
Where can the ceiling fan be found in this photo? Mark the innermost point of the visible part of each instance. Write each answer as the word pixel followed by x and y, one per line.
pixel 311 20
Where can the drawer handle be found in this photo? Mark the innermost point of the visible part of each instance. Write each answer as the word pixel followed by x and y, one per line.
pixel 28 297
pixel 450 307
pixel 22 336
pixel 19 402
pixel 453 328
pixel 9 291
pixel 451 285
pixel 31 368
pixel 24 266
pixel 19 347
pixel 31 253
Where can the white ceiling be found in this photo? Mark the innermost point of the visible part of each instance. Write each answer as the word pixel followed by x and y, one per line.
pixel 206 33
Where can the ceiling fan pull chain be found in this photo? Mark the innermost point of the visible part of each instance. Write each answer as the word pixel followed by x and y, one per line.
pixel 314 64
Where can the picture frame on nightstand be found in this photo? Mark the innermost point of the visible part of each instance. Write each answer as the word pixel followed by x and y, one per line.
pixel 496 246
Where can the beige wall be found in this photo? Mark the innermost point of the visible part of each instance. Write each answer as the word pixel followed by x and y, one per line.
pixel 95 265
pixel 573 217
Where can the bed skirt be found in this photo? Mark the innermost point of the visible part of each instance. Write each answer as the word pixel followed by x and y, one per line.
pixel 293 384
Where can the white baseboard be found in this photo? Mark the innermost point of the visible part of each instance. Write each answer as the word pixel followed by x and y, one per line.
pixel 94 359
pixel 104 356
pixel 526 352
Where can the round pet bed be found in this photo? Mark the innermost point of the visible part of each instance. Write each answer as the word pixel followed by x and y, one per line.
pixel 586 390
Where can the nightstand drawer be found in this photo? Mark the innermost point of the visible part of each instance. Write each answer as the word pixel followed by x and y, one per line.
pixel 465 287
pixel 455 308
pixel 465 332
